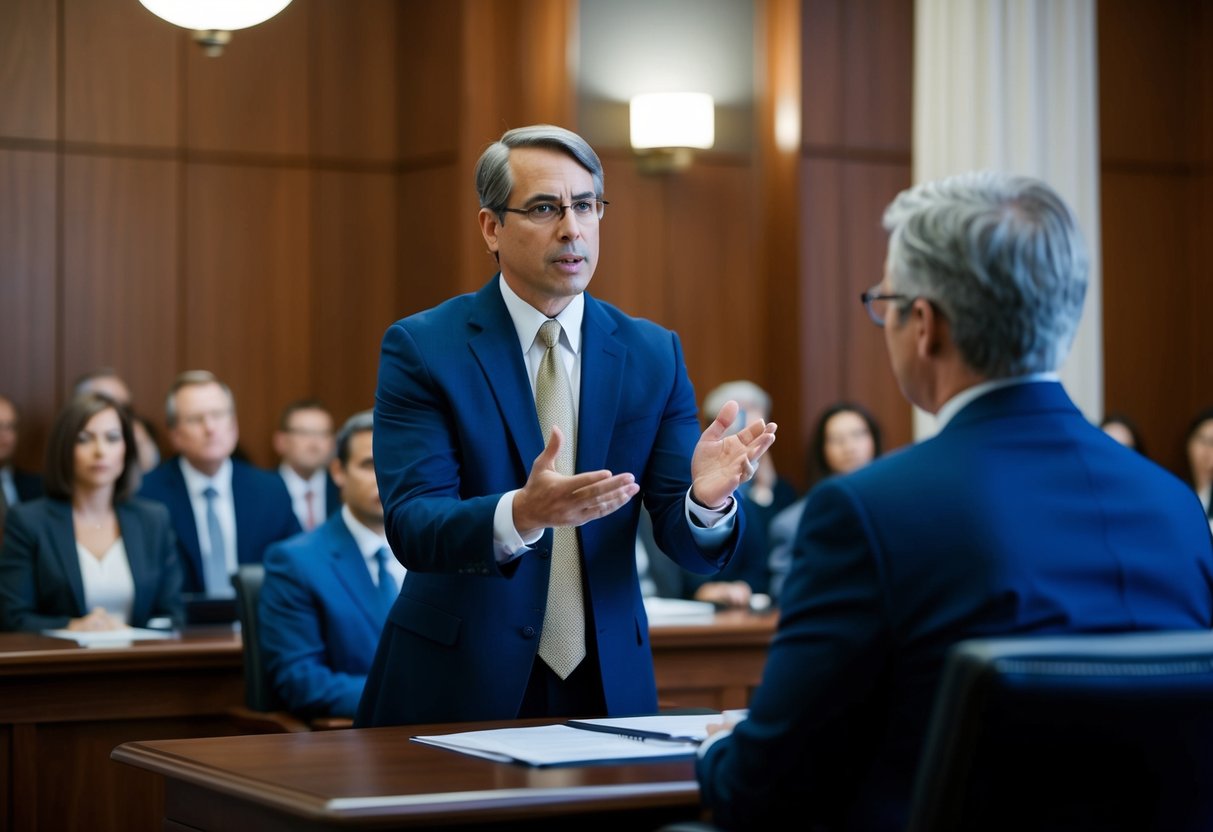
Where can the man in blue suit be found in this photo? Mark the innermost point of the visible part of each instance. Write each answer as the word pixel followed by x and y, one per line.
pixel 224 511
pixel 483 513
pixel 327 592
pixel 1018 517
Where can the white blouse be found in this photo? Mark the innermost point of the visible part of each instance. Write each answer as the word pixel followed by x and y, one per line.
pixel 108 582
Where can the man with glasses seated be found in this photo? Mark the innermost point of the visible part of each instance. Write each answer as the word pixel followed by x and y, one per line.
pixel 225 511
pixel 517 430
pixel 305 446
pixel 1018 517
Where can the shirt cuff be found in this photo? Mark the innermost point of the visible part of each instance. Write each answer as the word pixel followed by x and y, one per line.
pixel 507 543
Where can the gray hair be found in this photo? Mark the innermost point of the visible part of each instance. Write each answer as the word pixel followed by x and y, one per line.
pixel 494 184
pixel 361 421
pixel 740 391
pixel 192 378
pixel 1002 258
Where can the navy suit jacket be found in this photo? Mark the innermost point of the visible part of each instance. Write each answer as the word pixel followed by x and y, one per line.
pixel 28 485
pixel 1018 517
pixel 455 428
pixel 320 616
pixel 40 583
pixel 263 514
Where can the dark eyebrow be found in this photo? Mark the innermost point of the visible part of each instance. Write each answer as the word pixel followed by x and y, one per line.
pixel 553 198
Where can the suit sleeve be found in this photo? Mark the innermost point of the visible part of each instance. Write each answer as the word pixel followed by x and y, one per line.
pixel 293 643
pixel 808 720
pixel 418 459
pixel 19 577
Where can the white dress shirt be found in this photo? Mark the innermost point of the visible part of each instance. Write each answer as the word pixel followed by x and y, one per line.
pixel 196 483
pixel 298 488
pixel 369 544
pixel 108 582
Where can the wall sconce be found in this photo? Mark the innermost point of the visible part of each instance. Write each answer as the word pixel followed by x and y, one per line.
pixel 668 126
pixel 214 20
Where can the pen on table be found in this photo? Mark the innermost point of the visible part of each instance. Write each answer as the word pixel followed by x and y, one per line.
pixel 634 733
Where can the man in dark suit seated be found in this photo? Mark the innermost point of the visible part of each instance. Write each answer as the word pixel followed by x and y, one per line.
pixel 1018 517
pixel 327 593
pixel 224 511
pixel 304 444
pixel 16 486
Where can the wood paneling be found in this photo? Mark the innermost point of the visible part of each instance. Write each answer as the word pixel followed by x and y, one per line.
pixel 29 336
pixel 355 79
pixel 430 54
pixel 1156 128
pixel 119 273
pixel 255 97
pixel 121 76
pixel 246 303
pixel 29 69
pixel 355 291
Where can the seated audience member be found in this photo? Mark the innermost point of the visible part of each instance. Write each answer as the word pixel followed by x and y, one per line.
pixel 304 443
pixel 845 438
pixel 327 593
pixel 16 486
pixel 761 498
pixel 1124 430
pixel 89 556
pixel 1017 517
pixel 1200 459
pixel 225 511
pixel 107 381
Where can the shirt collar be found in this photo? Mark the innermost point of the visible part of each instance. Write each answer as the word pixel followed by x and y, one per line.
pixel 297 484
pixel 196 482
pixel 368 541
pixel 527 319
pixel 970 394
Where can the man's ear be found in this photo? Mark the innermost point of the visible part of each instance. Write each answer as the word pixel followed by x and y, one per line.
pixel 337 472
pixel 490 225
pixel 930 328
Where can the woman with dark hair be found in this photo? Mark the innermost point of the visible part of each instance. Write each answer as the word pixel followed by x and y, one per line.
pixel 845 438
pixel 89 555
pixel 1124 430
pixel 1199 447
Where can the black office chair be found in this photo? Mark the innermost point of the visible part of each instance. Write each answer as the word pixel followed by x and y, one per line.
pixel 1091 732
pixel 263 711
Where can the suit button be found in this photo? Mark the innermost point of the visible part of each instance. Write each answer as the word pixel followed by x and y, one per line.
pixel 544 554
pixel 528 631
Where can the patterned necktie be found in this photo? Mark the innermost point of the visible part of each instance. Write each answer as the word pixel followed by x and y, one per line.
pixel 562 644
pixel 218 581
pixel 310 499
pixel 386 583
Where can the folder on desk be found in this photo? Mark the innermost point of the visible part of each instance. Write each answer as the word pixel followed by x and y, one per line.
pixel 610 740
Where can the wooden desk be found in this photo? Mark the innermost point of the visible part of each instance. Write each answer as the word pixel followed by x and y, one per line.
pixel 715 665
pixel 63 708
pixel 376 778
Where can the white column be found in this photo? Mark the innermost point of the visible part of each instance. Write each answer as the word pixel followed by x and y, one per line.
pixel 1012 85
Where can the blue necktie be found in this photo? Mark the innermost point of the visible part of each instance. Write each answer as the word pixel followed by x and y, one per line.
pixel 214 567
pixel 387 584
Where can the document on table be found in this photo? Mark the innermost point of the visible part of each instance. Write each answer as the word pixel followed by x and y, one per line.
pixel 108 638
pixel 584 741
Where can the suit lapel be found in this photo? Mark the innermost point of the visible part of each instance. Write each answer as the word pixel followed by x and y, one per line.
pixel 63 542
pixel 138 554
pixel 182 510
pixel 350 571
pixel 494 343
pixel 602 359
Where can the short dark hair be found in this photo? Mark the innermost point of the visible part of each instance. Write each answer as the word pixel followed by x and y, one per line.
pixel 361 421
pixel 284 421
pixel 818 467
pixel 60 475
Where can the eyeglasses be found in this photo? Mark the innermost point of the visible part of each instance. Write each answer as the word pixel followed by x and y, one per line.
pixel 877 304
pixel 543 213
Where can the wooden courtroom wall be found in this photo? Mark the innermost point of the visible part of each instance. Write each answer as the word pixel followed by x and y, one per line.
pixel 1156 125
pixel 267 213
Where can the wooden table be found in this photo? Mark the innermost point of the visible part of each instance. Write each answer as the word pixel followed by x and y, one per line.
pixel 714 665
pixel 376 778
pixel 63 708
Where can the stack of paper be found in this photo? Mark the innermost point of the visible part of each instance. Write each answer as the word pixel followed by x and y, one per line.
pixel 108 638
pixel 678 611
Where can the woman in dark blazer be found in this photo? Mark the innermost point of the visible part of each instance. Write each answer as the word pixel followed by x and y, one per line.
pixel 88 555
